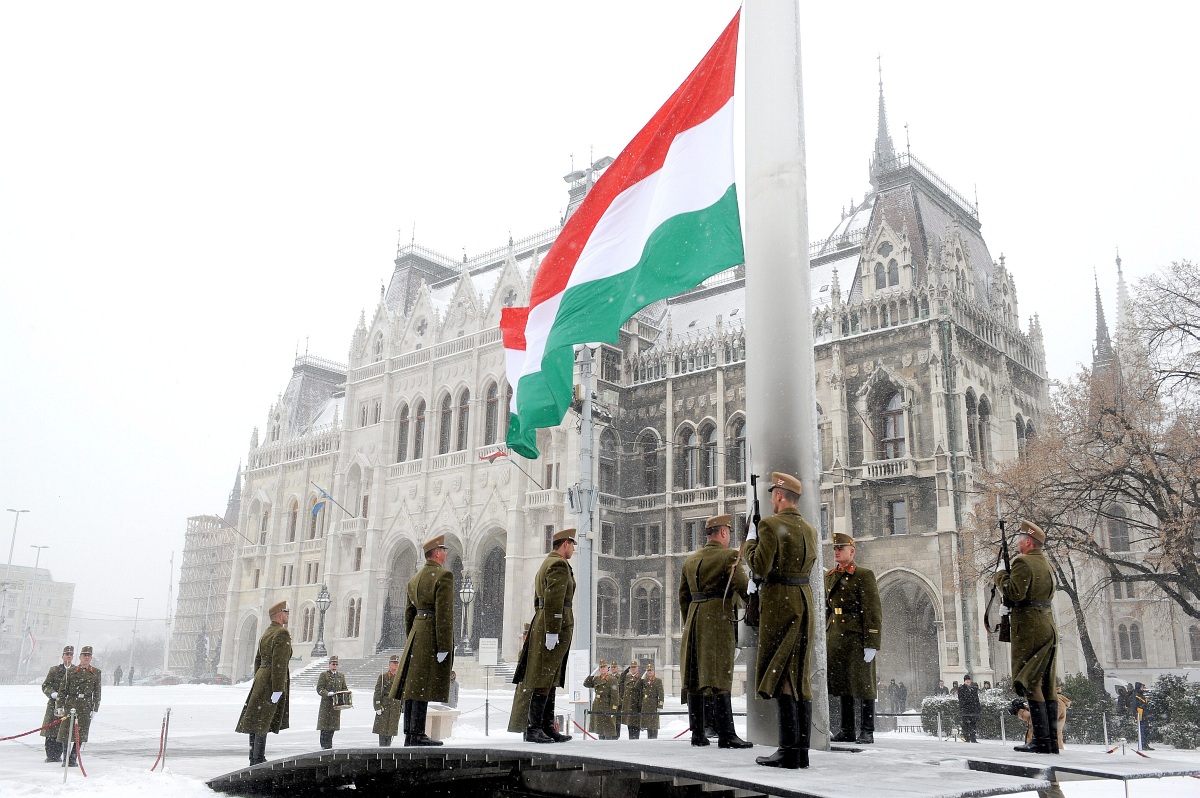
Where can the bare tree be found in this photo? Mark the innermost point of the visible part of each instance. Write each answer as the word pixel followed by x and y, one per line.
pixel 1166 321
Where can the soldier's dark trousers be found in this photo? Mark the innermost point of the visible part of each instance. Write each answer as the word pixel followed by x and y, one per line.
pixel 258 748
pixel 537 714
pixel 651 734
pixel 866 734
pixel 54 751
pixel 74 751
pixel 968 727
pixel 384 741
pixel 846 735
pixel 635 732
pixel 548 721
pixel 327 739
pixel 414 719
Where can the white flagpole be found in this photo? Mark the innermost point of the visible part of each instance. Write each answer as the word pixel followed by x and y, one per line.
pixel 780 371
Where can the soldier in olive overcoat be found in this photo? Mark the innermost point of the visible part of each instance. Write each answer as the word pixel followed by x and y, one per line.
pixel 712 584
pixel 631 700
pixel 605 701
pixel 853 624
pixel 781 550
pixel 54 688
pixel 267 707
pixel 651 701
pixel 387 709
pixel 542 665
pixel 83 696
pixel 1029 589
pixel 329 719
pixel 429 650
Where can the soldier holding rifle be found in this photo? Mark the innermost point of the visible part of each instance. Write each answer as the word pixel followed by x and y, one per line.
pixel 55 687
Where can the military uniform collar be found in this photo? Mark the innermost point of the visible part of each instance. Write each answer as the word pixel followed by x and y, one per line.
pixel 838 569
pixel 789 511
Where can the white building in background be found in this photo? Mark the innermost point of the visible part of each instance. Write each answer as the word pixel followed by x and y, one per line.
pixel 38 610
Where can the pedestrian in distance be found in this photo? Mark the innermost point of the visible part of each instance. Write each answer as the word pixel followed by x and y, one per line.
pixel 117 674
pixel 853 635
pixel 1141 705
pixel 781 550
pixel 428 654
pixel 1029 589
pixel 131 676
pixel 267 707
pixel 712 584
pixel 969 709
pixel 542 665
pixel 329 717
pixel 452 701
pixel 387 709
pixel 83 686
pixel 54 687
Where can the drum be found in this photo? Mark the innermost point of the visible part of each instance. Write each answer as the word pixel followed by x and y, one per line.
pixel 342 699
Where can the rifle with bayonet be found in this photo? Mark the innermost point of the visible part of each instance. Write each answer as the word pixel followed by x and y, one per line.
pixel 752 608
pixel 1003 628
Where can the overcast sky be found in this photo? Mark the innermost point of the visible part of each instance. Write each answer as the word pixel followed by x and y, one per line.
pixel 189 192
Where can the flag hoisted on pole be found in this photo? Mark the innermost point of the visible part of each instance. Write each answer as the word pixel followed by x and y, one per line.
pixel 662 219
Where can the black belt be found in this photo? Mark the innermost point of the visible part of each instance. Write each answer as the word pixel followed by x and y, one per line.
pixel 425 613
pixel 706 596
pixel 538 603
pixel 1041 605
pixel 794 581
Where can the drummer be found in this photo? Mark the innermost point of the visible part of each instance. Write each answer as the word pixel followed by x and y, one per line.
pixel 329 718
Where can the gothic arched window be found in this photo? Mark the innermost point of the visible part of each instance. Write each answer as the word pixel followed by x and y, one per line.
pixel 607 472
pixel 419 431
pixel 893 272
pixel 402 435
pixel 708 455
pixel 464 418
pixel 648 445
pixel 891 429
pixel 1194 641
pixel 353 617
pixel 293 520
pixel 306 627
pixel 880 277
pixel 735 461
pixel 445 421
pixel 689 458
pixel 606 607
pixel 491 416
pixel 1118 529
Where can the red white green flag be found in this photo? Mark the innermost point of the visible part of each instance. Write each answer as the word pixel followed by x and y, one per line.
pixel 662 219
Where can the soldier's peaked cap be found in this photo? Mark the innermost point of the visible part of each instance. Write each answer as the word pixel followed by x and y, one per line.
pixel 85 650
pixel 333 658
pixel 634 664
pixel 842 539
pixel 437 541
pixel 785 481
pixel 718 521
pixel 394 658
pixel 1033 530
pixel 69 649
pixel 564 534
pixel 280 607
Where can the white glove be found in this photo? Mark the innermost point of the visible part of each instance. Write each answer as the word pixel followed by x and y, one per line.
pixel 1000 567
pixel 54 694
pixel 551 641
pixel 441 657
pixel 91 714
pixel 752 532
pixel 868 654
pixel 379 712
pixel 275 696
pixel 751 587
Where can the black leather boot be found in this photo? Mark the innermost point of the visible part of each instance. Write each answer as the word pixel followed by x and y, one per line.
pixel 53 750
pixel 1040 724
pixel 71 762
pixel 710 714
pixel 548 722
pixel 727 736
pixel 384 741
pixel 259 750
pixel 407 711
pixel 788 754
pixel 533 726
pixel 804 724
pixel 1052 723
pixel 420 709
pixel 326 739
pixel 846 735
pixel 866 735
pixel 696 718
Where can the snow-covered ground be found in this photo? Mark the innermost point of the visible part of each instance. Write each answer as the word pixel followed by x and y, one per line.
pixel 125 735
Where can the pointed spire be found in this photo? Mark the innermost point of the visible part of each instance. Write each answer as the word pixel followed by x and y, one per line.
pixel 884 158
pixel 1103 354
pixel 234 507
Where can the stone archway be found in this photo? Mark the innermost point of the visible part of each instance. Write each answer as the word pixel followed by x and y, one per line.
pixel 489 606
pixel 247 647
pixel 404 565
pixel 910 652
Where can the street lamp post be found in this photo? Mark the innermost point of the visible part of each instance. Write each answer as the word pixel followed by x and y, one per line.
pixel 323 602
pixel 133 644
pixel 23 667
pixel 466 594
pixel 8 571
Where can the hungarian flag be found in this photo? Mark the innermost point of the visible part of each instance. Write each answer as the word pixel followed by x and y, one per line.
pixel 662 219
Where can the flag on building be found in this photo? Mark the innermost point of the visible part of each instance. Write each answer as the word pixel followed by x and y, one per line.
pixel 662 219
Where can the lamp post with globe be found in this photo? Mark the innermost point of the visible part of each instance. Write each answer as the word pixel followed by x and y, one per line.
pixel 466 594
pixel 323 602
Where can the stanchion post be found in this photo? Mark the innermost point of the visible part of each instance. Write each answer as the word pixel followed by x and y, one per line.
pixel 70 721
pixel 1003 738
pixel 166 738
pixel 940 725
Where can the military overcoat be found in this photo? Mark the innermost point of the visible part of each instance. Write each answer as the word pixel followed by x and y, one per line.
pixel 783 556
pixel 631 700
pixel 429 618
pixel 271 675
pixel 605 701
pixel 83 696
pixel 388 723
pixel 328 683
pixel 518 719
pixel 651 702
pixel 853 622
pixel 553 592
pixel 1029 586
pixel 709 629
pixel 55 681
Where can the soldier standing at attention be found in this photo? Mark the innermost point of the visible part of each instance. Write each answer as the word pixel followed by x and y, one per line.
pixel 54 688
pixel 387 709
pixel 427 659
pixel 710 586
pixel 781 550
pixel 117 676
pixel 651 701
pixel 542 665
pixel 631 700
pixel 82 695
pixel 854 620
pixel 605 702
pixel 329 719
pixel 267 706
pixel 1029 586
